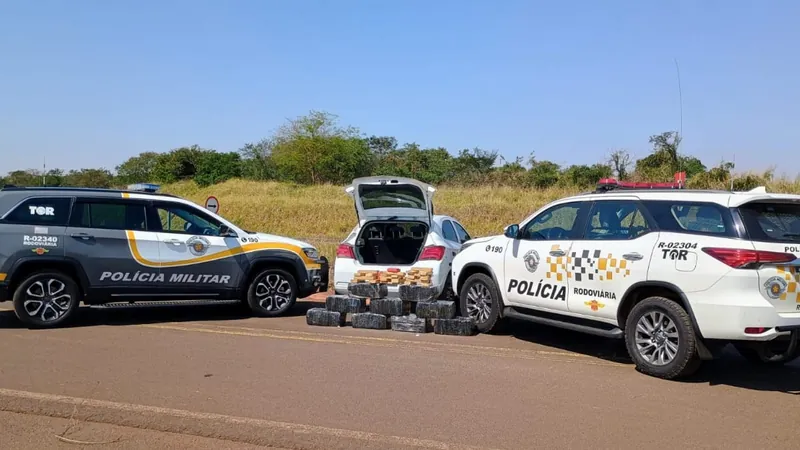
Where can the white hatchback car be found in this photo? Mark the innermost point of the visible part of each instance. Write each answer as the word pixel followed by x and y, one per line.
pixel 677 274
pixel 397 231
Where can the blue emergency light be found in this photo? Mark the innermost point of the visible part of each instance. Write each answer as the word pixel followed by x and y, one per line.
pixel 144 187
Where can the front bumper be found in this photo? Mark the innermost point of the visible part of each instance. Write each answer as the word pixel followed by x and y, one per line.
pixel 317 279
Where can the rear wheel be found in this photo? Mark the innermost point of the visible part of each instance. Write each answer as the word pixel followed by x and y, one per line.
pixel 480 299
pixel 46 299
pixel 779 351
pixel 661 340
pixel 272 293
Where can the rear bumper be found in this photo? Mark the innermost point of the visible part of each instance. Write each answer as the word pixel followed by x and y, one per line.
pixel 729 322
pixel 5 294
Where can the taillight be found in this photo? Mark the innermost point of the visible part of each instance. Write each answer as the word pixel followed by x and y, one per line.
pixel 345 251
pixel 740 258
pixel 434 252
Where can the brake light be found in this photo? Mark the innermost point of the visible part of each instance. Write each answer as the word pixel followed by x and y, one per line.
pixel 755 330
pixel 345 251
pixel 740 258
pixel 434 252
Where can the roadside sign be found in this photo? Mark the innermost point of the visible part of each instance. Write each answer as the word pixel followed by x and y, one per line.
pixel 212 204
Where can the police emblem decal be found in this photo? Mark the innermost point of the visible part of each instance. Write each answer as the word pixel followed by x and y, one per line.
pixel 531 260
pixel 775 286
pixel 198 245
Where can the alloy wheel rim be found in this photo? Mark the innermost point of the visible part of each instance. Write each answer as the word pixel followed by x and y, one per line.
pixel 479 302
pixel 657 338
pixel 273 292
pixel 47 300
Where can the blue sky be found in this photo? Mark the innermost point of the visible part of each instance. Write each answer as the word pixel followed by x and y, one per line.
pixel 93 82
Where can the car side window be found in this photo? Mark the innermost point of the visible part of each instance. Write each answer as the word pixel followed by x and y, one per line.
pixel 449 231
pixel 555 224
pixel 616 220
pixel 463 236
pixel 109 215
pixel 692 217
pixel 177 218
pixel 41 211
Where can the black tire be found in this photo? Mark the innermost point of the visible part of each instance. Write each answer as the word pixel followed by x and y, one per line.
pixel 59 294
pixel 764 353
pixel 482 283
pixel 271 293
pixel 685 360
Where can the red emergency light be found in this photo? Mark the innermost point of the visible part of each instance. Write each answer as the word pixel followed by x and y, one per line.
pixel 608 184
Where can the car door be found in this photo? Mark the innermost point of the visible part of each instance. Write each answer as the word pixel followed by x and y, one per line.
pixel 612 255
pixel 450 236
pixel 196 260
pixel 536 262
pixel 463 236
pixel 100 236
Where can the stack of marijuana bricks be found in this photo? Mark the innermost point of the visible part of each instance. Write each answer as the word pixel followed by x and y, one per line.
pixel 414 277
pixel 415 311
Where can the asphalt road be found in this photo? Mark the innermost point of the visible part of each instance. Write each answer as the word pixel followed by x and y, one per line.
pixel 210 377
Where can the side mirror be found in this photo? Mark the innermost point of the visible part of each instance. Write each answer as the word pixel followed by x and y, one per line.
pixel 511 231
pixel 224 231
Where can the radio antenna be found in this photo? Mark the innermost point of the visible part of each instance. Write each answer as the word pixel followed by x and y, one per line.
pixel 680 106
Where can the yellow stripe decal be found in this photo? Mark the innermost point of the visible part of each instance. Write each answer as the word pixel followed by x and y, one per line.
pixel 246 248
pixel 126 195
pixel 3 277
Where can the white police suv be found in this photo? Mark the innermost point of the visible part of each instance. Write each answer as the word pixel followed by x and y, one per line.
pixel 677 273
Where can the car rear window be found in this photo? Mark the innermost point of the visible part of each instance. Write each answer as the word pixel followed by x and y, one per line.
pixel 692 217
pixel 41 211
pixel 391 197
pixel 772 221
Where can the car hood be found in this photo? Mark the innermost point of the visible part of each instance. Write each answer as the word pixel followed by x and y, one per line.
pixel 481 239
pixel 282 239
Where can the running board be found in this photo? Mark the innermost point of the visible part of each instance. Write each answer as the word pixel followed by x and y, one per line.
pixel 613 333
pixel 163 303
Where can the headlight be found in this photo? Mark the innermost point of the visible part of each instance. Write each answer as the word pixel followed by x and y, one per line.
pixel 311 252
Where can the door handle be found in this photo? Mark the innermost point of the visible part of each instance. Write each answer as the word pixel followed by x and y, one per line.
pixel 83 236
pixel 173 241
pixel 557 253
pixel 632 256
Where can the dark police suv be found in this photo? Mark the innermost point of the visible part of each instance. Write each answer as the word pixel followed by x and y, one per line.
pixel 63 246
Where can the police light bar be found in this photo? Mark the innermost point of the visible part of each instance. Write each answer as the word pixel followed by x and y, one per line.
pixel 144 187
pixel 609 184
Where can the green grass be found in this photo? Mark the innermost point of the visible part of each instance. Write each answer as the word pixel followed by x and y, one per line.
pixel 323 215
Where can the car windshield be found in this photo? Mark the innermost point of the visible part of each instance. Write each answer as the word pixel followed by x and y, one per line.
pixel 391 197
pixel 772 221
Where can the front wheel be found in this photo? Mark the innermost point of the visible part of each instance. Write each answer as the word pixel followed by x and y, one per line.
pixel 777 352
pixel 46 299
pixel 271 293
pixel 480 299
pixel 661 340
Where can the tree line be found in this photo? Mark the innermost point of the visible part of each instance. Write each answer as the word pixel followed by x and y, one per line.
pixel 315 149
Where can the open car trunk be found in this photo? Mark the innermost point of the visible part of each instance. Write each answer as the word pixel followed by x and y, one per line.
pixel 391 242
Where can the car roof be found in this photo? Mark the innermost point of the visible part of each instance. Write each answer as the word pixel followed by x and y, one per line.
pixel 32 191
pixel 11 196
pixel 721 197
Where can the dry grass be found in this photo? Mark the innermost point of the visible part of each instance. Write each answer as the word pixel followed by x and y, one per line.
pixel 324 215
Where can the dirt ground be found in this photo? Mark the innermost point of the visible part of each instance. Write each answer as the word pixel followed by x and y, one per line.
pixel 212 377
